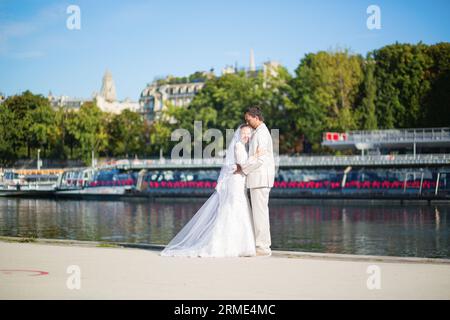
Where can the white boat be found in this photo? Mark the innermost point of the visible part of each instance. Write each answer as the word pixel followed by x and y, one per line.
pixel 89 182
pixel 13 183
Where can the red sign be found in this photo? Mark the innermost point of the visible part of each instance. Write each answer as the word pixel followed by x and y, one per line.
pixel 335 136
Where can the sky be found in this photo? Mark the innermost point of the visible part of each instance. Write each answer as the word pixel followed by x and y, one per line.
pixel 139 40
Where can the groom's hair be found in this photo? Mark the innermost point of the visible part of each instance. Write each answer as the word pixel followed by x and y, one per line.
pixel 255 112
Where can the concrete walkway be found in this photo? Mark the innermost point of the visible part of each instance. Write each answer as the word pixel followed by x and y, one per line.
pixel 39 271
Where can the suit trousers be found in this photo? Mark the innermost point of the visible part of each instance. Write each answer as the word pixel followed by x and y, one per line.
pixel 260 211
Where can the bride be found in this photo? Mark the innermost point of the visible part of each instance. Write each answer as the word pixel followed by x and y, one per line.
pixel 223 226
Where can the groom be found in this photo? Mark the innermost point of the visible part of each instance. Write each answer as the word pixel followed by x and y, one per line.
pixel 260 176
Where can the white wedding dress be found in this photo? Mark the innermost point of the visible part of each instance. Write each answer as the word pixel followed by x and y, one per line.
pixel 223 226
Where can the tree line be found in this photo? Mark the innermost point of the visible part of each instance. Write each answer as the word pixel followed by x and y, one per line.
pixel 396 86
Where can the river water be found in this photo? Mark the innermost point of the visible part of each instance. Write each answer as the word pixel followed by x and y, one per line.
pixel 414 230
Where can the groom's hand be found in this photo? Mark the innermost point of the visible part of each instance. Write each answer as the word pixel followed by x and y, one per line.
pixel 238 169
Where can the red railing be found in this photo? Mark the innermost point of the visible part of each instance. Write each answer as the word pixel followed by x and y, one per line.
pixel 112 183
pixel 180 184
pixel 376 184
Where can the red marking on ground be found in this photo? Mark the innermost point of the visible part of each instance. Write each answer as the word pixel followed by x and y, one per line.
pixel 36 272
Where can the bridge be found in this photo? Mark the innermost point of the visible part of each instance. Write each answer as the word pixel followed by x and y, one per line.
pixel 290 162
pixel 388 139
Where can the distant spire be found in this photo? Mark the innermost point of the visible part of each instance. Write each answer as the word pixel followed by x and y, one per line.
pixel 108 90
pixel 252 61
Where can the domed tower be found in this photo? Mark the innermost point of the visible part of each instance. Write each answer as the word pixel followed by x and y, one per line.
pixel 108 91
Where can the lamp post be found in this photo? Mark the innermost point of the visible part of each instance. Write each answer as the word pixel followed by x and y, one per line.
pixel 38 159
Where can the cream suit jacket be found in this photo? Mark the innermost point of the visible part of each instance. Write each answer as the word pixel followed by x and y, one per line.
pixel 260 171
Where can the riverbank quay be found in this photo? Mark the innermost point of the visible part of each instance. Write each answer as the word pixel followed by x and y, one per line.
pixel 65 269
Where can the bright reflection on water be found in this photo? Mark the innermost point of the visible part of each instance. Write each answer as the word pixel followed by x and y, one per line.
pixel 355 228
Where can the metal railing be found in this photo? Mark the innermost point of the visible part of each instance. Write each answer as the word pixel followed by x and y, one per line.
pixel 372 160
pixel 286 161
pixel 394 136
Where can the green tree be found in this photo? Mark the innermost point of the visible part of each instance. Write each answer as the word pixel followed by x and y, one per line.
pixel 43 130
pixel 401 84
pixel 223 100
pixel 275 99
pixel 31 116
pixel 125 134
pixel 325 90
pixel 7 134
pixel 368 116
pixel 68 123
pixel 160 133
pixel 436 102
pixel 88 127
pixel 220 104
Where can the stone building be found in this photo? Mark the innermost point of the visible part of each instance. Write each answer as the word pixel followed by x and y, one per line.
pixel 180 91
pixel 65 102
pixel 155 97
